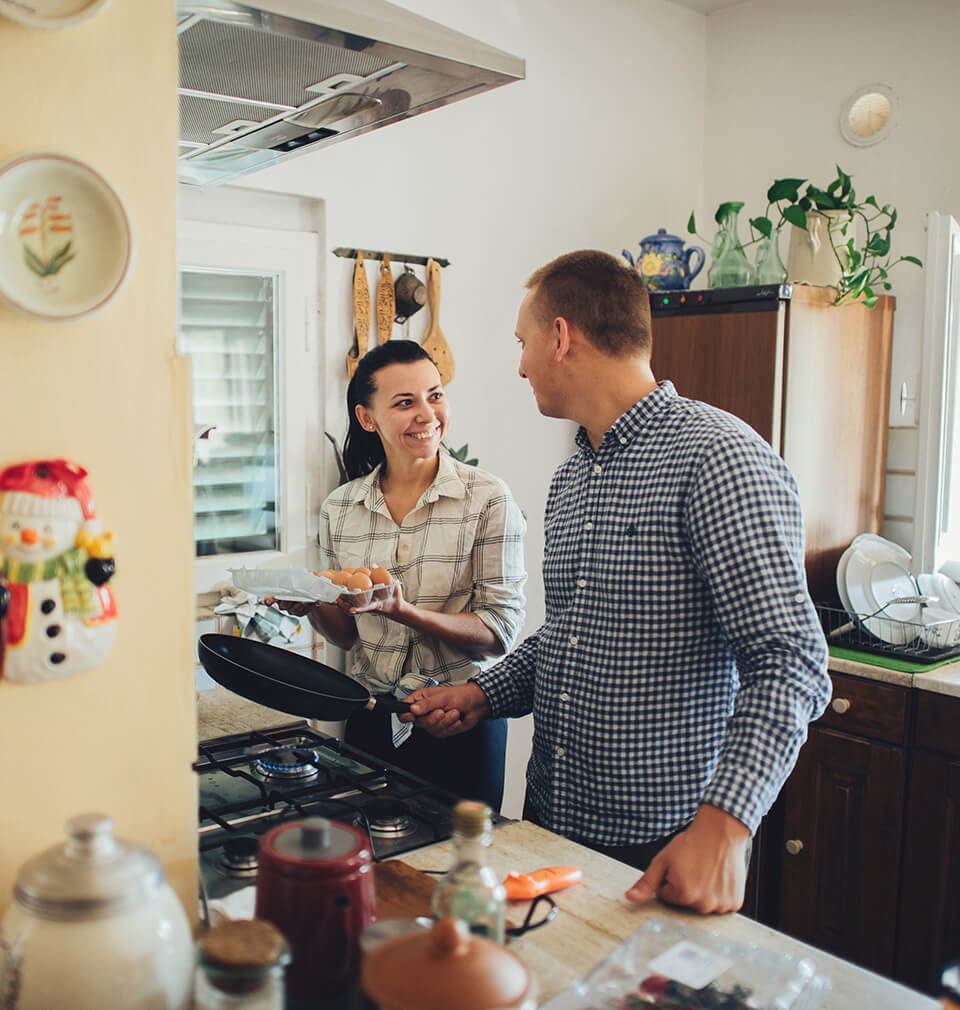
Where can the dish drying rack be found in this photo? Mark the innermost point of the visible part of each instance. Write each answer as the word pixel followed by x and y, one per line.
pixel 850 631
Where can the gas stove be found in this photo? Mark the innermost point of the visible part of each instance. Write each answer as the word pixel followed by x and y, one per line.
pixel 249 782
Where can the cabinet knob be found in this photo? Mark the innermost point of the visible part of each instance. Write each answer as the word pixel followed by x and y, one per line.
pixel 793 846
pixel 840 705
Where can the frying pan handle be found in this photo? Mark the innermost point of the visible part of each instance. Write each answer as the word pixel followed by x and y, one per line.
pixel 390 703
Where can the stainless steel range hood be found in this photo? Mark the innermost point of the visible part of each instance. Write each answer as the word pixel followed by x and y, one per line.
pixel 263 82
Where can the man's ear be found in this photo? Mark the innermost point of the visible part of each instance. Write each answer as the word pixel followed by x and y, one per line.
pixel 561 338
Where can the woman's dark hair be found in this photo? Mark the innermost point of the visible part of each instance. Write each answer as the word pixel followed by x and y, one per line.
pixel 363 450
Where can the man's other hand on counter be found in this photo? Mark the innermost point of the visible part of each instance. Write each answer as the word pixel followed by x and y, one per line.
pixel 446 711
pixel 703 868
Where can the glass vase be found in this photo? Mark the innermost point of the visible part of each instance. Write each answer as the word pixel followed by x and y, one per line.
pixel 730 267
pixel 768 267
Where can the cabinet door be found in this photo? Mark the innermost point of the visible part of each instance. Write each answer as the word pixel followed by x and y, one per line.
pixel 843 808
pixel 730 360
pixel 930 901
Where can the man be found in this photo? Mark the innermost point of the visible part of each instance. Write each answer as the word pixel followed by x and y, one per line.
pixel 681 658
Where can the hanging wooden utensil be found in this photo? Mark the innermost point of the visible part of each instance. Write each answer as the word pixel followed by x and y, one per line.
pixel 386 305
pixel 361 316
pixel 434 342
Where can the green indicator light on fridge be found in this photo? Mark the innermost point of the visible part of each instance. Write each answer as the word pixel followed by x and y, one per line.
pixel 666 301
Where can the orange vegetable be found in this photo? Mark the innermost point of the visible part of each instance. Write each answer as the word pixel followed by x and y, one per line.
pixel 521 886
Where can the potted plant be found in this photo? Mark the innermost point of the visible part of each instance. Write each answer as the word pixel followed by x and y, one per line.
pixel 827 224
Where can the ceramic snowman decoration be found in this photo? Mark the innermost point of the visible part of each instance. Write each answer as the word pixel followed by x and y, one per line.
pixel 59 616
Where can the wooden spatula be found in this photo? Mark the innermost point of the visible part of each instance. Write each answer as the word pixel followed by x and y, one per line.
pixel 361 316
pixel 386 303
pixel 434 342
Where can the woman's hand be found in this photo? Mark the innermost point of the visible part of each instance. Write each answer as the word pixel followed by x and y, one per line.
pixel 295 607
pixel 390 604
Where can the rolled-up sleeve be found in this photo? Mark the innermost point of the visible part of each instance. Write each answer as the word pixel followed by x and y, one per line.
pixel 746 529
pixel 498 567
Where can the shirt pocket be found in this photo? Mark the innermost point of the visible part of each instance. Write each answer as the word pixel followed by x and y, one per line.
pixel 443 571
pixel 652 551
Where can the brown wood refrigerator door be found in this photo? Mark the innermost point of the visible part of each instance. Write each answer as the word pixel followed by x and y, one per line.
pixel 930 896
pixel 730 360
pixel 838 886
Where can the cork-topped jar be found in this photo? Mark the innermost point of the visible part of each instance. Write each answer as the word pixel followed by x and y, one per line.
pixel 240 966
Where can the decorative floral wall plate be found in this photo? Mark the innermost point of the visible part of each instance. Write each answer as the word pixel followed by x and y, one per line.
pixel 51 13
pixel 65 239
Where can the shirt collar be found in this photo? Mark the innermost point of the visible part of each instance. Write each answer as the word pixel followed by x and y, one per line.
pixel 631 422
pixel 447 483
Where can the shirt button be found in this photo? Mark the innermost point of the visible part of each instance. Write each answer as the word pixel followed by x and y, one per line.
pixel 623 440
pixel 560 752
pixel 403 550
pixel 588 526
pixel 581 583
pixel 564 696
pixel 574 639
pixel 800 597
pixel 597 468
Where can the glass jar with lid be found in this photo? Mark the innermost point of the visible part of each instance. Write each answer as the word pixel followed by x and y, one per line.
pixel 240 966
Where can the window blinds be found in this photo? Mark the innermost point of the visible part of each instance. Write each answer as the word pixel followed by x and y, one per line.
pixel 228 327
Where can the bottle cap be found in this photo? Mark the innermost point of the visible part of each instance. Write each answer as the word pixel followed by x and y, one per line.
pixel 472 818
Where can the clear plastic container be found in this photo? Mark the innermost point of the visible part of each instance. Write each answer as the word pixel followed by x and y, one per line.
pixel 671 966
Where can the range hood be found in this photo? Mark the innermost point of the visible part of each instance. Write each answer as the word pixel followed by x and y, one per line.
pixel 263 82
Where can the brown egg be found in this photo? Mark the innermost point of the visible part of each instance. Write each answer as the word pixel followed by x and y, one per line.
pixel 347 571
pixel 327 573
pixel 341 578
pixel 381 577
pixel 359 581
pixel 362 568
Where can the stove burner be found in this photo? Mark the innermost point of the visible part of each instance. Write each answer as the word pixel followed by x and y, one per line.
pixel 239 856
pixel 389 819
pixel 290 762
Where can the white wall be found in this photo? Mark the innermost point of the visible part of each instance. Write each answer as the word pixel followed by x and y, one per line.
pixel 586 152
pixel 777 75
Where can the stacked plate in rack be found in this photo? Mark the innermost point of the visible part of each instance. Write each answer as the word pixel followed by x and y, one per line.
pixel 874 574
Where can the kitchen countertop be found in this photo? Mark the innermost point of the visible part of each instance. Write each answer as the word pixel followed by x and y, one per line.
pixel 941 680
pixel 593 917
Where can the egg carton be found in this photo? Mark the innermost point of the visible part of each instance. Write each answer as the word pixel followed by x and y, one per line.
pixel 302 586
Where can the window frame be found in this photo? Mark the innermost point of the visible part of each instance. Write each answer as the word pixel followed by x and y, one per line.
pixel 292 257
pixel 937 484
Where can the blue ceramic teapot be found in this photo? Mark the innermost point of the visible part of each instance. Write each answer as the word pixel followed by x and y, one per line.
pixel 663 262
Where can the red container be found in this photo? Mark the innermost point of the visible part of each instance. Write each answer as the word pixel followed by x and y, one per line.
pixel 315 884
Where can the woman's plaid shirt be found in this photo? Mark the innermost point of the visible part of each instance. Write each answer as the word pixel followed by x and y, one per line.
pixel 681 658
pixel 460 550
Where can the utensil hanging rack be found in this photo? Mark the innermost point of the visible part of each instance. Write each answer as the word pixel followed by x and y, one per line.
pixel 378 254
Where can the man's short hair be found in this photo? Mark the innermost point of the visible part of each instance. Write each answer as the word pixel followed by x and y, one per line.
pixel 604 298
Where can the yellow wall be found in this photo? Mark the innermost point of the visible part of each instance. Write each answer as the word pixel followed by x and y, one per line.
pixel 110 393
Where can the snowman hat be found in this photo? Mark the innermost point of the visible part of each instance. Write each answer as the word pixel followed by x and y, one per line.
pixel 47 489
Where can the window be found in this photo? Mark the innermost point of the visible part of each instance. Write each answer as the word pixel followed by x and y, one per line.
pixel 937 506
pixel 248 324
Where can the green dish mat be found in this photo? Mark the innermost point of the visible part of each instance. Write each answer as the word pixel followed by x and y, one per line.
pixel 904 665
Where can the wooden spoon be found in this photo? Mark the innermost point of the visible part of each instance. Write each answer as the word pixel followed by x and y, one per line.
pixel 434 342
pixel 361 315
pixel 386 304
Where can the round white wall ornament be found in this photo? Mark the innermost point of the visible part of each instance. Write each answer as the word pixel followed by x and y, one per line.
pixel 869 115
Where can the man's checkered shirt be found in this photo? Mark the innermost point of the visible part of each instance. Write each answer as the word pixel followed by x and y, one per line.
pixel 681 658
pixel 460 550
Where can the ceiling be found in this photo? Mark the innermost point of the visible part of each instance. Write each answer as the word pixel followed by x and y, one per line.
pixel 709 6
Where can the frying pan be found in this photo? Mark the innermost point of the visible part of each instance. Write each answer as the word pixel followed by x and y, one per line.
pixel 286 680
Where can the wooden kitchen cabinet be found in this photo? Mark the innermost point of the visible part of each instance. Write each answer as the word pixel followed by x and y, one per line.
pixel 812 379
pixel 833 842
pixel 930 888
pixel 843 808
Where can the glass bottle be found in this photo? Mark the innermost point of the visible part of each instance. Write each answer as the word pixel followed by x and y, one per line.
pixel 240 966
pixel 768 267
pixel 730 267
pixel 470 890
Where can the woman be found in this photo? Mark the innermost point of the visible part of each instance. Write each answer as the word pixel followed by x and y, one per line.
pixel 452 537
